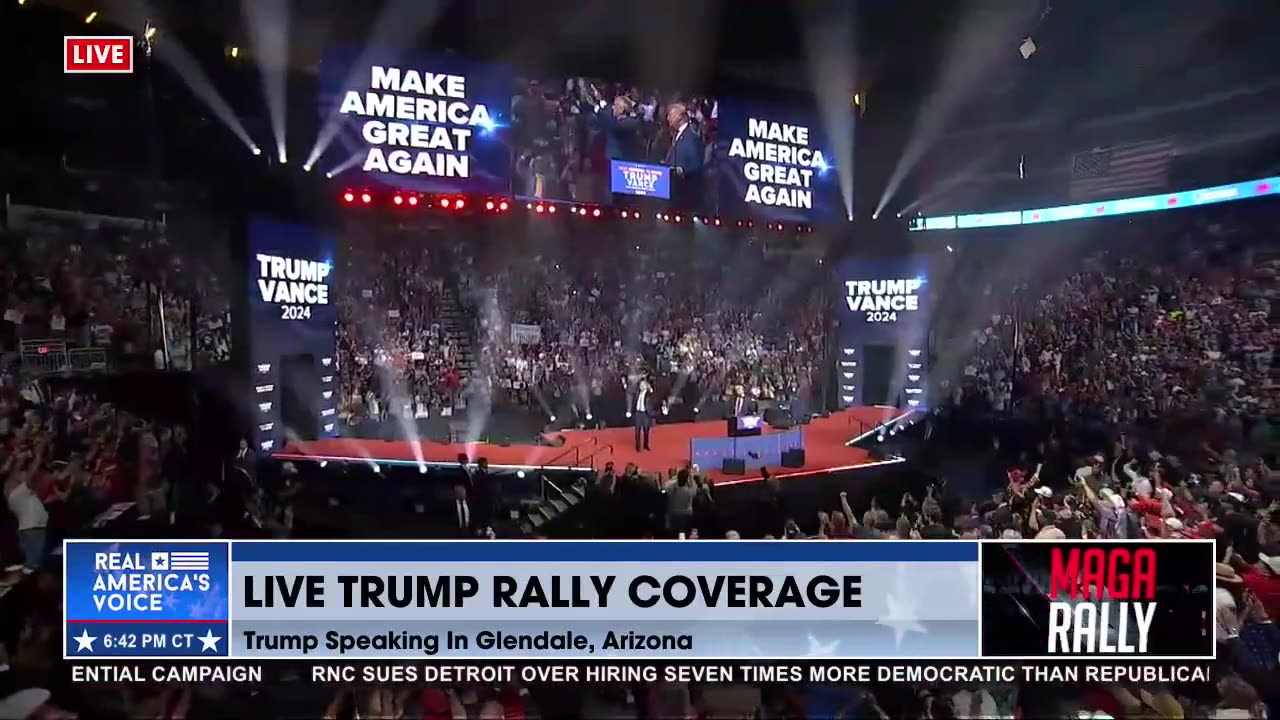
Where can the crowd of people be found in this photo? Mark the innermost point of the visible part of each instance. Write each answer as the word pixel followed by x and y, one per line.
pixel 1133 397
pixel 396 356
pixel 71 463
pixel 115 285
pixel 699 327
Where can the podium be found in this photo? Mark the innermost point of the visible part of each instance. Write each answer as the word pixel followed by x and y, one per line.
pixel 744 426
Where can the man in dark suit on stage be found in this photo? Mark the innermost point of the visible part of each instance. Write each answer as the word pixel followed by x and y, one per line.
pixel 684 157
pixel 642 412
pixel 621 128
pixel 463 518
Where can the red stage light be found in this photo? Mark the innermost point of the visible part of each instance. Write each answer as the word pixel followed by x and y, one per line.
pixel 677 218
pixel 366 198
pixel 551 208
pixel 623 214
pixel 502 206
pixel 349 196
pixel 717 222
pixel 413 200
pixel 488 205
pixel 459 204
pixel 596 212
pixel 539 208
pixel 397 200
pixel 444 202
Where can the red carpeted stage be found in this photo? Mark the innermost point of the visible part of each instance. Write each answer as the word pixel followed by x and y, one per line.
pixel 825 443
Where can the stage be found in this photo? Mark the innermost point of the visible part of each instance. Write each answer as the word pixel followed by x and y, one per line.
pixel 825 442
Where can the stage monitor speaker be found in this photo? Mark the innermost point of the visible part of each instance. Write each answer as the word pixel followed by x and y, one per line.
pixel 734 466
pixel 793 458
pixel 778 418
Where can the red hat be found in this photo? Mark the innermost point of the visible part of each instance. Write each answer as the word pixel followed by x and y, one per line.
pixel 1208 529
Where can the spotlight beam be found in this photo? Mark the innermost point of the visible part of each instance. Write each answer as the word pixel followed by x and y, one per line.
pixel 345 166
pixel 172 54
pixel 268 22
pixel 979 41
pixel 397 23
pixel 831 47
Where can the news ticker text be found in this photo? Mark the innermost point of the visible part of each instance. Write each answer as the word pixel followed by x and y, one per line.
pixel 927 672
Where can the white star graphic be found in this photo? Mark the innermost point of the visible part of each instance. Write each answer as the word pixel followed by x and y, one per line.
pixel 84 641
pixel 902 610
pixel 209 641
pixel 817 649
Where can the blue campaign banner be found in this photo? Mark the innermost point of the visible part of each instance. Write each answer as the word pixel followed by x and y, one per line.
pixel 884 315
pixel 755 451
pixel 293 318
pixel 418 121
pixel 146 599
pixel 777 163
pixel 628 178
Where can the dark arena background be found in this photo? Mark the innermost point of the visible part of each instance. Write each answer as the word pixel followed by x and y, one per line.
pixel 484 270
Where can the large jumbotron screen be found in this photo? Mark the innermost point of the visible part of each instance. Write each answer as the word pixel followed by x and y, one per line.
pixel 444 124
pixel 293 317
pixel 884 319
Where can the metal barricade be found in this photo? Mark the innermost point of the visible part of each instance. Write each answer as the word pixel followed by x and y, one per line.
pixel 90 359
pixel 43 357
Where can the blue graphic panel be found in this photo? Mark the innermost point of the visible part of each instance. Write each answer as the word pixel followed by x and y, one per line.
pixel 884 303
pixel 755 451
pixel 431 123
pixel 146 599
pixel 628 178
pixel 777 163
pixel 293 311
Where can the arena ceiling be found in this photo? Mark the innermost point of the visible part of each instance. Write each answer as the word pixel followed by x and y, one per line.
pixel 1104 52
pixel 1124 68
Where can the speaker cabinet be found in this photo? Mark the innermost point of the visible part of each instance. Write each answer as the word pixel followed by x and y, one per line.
pixel 793 458
pixel 734 466
pixel 778 419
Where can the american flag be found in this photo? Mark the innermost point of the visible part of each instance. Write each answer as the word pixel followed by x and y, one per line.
pixel 1121 171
